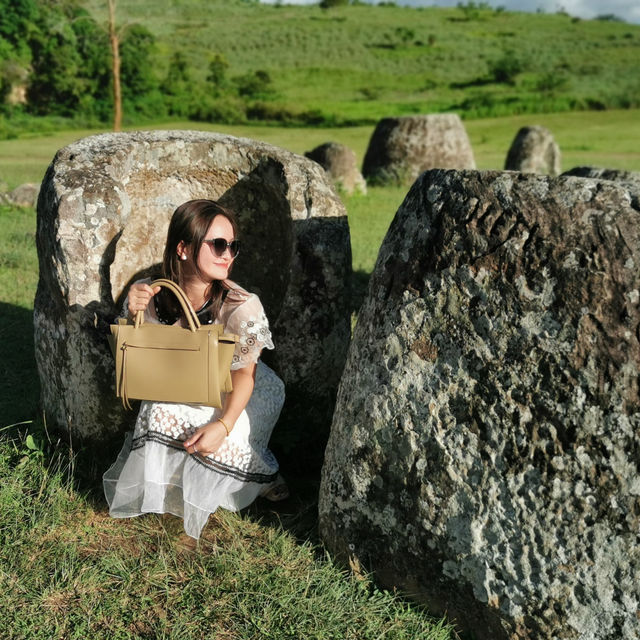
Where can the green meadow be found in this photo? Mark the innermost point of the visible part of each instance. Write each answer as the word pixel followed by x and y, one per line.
pixel 358 63
pixel 596 138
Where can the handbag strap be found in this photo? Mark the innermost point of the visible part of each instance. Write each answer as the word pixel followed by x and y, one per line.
pixel 190 314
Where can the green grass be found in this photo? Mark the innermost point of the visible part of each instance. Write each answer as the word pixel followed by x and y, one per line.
pixel 67 570
pixel 599 138
pixel 356 64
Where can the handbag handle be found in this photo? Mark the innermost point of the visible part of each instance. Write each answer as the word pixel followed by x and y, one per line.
pixel 190 314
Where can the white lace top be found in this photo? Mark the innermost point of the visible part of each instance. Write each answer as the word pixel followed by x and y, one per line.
pixel 248 320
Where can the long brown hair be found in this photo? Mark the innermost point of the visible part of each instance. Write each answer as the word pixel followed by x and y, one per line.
pixel 189 224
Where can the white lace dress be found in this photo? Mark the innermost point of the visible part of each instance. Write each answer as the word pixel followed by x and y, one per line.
pixel 153 472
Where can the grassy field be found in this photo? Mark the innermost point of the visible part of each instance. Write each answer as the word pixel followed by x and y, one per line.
pixel 69 571
pixel 360 63
pixel 597 138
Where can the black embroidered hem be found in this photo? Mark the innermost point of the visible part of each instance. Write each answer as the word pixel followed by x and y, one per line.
pixel 213 465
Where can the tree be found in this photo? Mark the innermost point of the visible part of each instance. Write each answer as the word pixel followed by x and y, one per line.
pixel 177 86
pixel 327 4
pixel 55 85
pixel 17 17
pixel 114 40
pixel 217 72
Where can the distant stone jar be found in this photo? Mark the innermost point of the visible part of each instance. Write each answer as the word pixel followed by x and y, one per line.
pixel 534 150
pixel 483 453
pixel 340 163
pixel 24 195
pixel 103 213
pixel 400 149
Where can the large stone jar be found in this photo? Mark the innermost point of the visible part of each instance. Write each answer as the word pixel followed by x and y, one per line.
pixel 484 450
pixel 401 148
pixel 103 213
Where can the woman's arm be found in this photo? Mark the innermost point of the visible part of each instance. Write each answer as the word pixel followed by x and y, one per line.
pixel 210 437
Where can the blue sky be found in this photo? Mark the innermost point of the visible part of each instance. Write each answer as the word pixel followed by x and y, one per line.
pixel 628 10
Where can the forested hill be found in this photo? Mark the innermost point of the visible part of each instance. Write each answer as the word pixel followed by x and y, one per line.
pixel 235 60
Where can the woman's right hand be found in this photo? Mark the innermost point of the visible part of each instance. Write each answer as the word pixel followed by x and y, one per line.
pixel 139 297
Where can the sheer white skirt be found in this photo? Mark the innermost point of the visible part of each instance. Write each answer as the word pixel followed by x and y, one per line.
pixel 154 474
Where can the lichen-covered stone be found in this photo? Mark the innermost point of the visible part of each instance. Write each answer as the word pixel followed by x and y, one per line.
pixel 534 150
pixel 485 445
pixel 340 163
pixel 103 214
pixel 630 180
pixel 400 149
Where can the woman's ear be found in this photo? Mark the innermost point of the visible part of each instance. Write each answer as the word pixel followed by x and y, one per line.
pixel 181 250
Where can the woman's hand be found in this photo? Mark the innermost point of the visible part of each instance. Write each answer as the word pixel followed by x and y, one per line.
pixel 139 297
pixel 206 440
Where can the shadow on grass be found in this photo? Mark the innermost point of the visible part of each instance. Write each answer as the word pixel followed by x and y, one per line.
pixel 20 388
pixel 359 286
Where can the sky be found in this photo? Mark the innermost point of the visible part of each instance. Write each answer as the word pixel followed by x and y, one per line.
pixel 628 10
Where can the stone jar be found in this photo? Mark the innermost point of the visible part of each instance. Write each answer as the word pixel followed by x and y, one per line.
pixel 103 213
pixel 400 149
pixel 534 150
pixel 340 163
pixel 484 449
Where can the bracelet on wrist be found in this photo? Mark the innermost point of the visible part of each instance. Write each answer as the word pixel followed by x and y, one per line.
pixel 224 424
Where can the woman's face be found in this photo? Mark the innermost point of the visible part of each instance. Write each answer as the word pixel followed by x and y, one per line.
pixel 211 265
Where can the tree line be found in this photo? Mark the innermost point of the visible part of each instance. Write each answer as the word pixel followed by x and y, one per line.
pixel 57 59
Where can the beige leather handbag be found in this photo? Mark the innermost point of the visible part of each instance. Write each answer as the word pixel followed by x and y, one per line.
pixel 170 363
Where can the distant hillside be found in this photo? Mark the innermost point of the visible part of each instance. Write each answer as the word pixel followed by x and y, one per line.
pixel 355 64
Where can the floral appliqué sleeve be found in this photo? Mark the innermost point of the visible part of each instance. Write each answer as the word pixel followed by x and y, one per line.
pixel 250 323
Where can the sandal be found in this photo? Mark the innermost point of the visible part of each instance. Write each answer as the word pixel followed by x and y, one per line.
pixel 276 490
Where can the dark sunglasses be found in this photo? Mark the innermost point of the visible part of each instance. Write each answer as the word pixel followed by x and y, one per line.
pixel 220 245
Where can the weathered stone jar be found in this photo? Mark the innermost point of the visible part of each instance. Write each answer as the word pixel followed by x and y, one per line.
pixel 534 150
pixel 103 212
pixel 484 449
pixel 401 148
pixel 340 164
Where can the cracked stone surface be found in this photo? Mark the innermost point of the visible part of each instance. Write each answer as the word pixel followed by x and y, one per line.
pixel 485 448
pixel 103 212
pixel 400 149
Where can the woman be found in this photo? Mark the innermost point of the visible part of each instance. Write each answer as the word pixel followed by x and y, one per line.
pixel 191 459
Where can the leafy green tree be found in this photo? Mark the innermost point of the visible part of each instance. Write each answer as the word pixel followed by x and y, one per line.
pixel 217 75
pixel 327 4
pixel 92 46
pixel 506 68
pixel 55 85
pixel 178 86
pixel 138 50
pixel 140 83
pixel 254 84
pixel 17 19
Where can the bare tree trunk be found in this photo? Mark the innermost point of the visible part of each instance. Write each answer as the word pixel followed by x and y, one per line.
pixel 115 52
